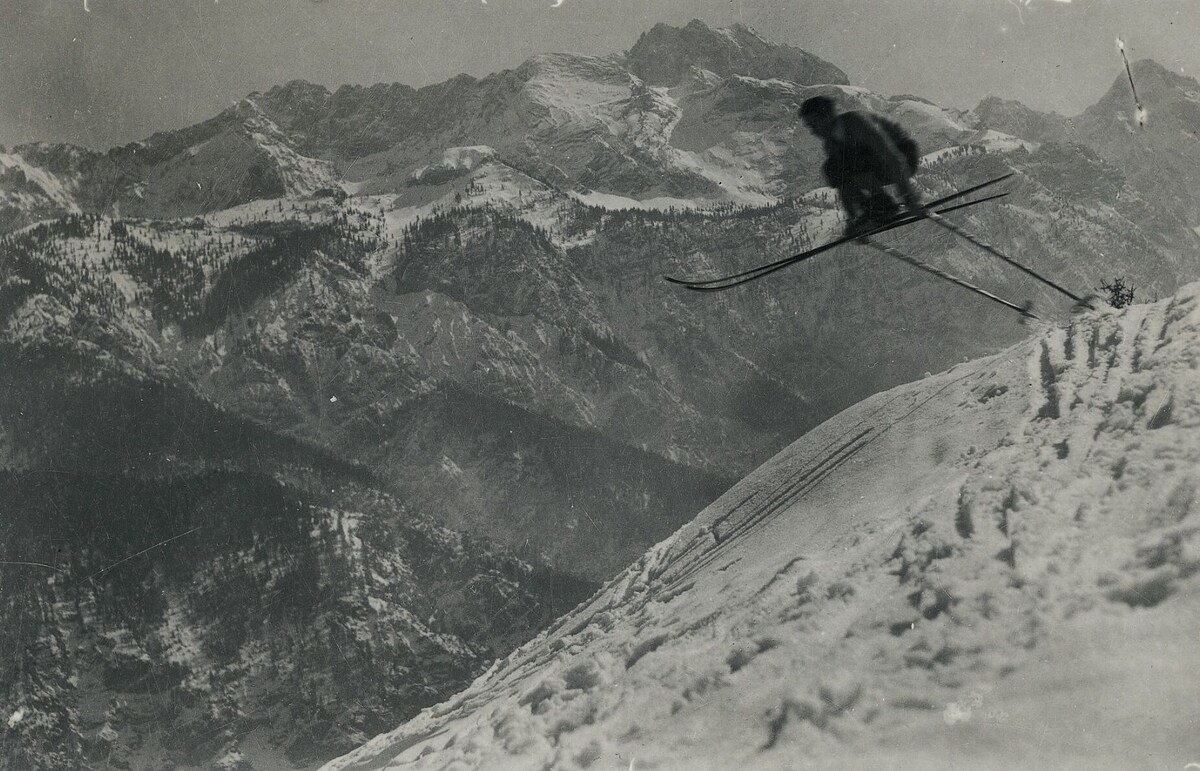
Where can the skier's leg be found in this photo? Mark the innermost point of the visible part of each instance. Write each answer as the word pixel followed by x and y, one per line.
pixel 838 177
pixel 881 207
pixel 861 192
pixel 904 186
pixel 855 202
pixel 877 205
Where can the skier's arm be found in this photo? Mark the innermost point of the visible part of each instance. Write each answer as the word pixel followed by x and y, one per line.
pixel 911 155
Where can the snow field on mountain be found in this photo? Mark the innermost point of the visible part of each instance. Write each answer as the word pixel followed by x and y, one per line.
pixel 989 140
pixel 491 184
pixel 51 185
pixel 589 100
pixel 301 175
pixel 994 567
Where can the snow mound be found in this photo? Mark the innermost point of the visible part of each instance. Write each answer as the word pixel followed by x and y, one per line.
pixel 994 567
pixel 454 161
pixel 916 110
pixel 988 140
pixel 466 157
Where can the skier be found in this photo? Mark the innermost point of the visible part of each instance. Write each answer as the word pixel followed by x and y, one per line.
pixel 864 153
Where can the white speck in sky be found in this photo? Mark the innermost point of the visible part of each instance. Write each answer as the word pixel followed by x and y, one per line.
pixel 1026 3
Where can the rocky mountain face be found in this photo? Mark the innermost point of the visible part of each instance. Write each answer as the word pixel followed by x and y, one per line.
pixel 238 156
pixel 591 123
pixel 181 585
pixel 424 334
pixel 1157 153
pixel 1154 155
pixel 665 55
pixel 259 616
pixel 1013 117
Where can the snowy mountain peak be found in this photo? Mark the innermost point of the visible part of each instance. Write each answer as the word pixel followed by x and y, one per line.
pixel 1155 85
pixel 1152 73
pixel 576 65
pixel 739 30
pixel 665 54
pixel 297 92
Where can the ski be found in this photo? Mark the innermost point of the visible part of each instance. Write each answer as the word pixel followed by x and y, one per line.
pixel 716 285
pixel 936 218
pixel 896 254
pixel 903 219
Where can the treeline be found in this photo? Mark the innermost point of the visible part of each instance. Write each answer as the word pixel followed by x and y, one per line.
pixel 673 229
pixel 45 259
pixel 190 273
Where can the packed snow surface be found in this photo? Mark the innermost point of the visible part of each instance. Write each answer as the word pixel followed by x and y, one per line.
pixel 994 567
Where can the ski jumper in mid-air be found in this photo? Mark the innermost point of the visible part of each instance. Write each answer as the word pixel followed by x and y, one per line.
pixel 864 154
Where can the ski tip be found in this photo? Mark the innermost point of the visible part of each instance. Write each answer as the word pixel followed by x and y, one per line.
pixel 696 286
pixel 1089 302
pixel 1027 311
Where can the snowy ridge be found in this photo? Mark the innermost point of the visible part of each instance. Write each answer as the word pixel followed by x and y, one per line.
pixel 302 176
pixel 51 186
pixel 988 140
pixel 995 567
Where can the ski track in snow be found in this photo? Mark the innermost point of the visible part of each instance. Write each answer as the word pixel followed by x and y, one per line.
pixel 994 567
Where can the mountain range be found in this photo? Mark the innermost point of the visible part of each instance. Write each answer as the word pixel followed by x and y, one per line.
pixel 427 328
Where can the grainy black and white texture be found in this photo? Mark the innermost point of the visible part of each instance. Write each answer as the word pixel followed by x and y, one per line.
pixel 320 401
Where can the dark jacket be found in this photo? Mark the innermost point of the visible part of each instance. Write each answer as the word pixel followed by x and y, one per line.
pixel 865 145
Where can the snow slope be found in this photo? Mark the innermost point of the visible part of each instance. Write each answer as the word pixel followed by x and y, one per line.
pixel 993 567
pixel 51 186
pixel 302 176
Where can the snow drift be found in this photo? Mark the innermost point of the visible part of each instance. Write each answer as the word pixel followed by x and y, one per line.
pixel 993 567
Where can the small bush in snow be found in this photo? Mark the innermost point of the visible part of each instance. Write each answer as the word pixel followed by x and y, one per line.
pixel 1120 294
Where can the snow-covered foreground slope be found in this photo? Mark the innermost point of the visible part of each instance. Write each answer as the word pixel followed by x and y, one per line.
pixel 994 567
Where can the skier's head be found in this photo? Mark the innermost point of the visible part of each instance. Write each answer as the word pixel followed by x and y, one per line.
pixel 818 113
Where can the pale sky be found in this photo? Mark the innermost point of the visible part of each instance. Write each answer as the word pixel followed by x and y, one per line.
pixel 121 69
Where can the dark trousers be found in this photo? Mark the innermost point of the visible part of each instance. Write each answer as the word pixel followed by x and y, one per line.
pixel 861 186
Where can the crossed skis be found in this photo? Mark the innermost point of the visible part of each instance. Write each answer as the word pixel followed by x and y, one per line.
pixel 932 213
